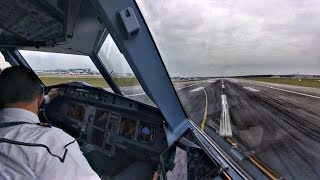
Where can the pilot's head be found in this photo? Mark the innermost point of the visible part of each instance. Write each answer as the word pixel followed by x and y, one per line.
pixel 20 88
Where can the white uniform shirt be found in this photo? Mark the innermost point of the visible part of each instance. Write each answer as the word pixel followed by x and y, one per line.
pixel 22 162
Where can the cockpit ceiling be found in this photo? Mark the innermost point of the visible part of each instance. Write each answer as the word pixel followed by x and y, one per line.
pixel 31 20
pixel 62 26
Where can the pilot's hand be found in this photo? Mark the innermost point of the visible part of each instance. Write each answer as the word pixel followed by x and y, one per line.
pixel 155 176
pixel 53 93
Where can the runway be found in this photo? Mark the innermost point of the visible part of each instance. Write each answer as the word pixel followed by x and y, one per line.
pixel 279 124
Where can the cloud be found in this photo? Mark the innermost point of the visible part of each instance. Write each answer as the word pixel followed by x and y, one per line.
pixel 229 37
pixel 218 37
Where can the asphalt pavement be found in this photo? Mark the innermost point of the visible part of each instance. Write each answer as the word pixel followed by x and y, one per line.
pixel 279 124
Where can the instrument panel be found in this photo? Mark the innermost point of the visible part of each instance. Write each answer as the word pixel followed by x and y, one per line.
pixel 127 128
pixel 107 123
pixel 76 111
pixel 105 129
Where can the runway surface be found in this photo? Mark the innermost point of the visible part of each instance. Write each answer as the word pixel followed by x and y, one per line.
pixel 279 124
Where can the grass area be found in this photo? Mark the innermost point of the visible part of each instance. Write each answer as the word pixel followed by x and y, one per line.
pixel 94 81
pixel 315 83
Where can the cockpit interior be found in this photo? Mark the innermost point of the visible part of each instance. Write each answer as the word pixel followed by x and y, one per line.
pixel 121 138
pixel 114 133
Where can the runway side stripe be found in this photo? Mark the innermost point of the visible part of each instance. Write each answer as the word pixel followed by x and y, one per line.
pixel 139 94
pixel 251 89
pixel 196 89
pixel 188 86
pixel 302 94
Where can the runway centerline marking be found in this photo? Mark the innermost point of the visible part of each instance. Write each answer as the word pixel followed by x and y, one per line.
pixel 251 89
pixel 225 123
pixel 302 94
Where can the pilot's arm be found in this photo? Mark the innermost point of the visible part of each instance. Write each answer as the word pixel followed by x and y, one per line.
pixel 54 92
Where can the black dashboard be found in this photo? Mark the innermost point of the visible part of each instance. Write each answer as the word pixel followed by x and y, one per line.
pixel 104 121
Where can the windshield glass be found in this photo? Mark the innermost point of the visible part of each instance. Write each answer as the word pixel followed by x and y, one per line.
pixel 249 71
pixel 55 68
pixel 121 72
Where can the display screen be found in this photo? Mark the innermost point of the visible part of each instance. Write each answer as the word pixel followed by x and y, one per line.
pixel 97 137
pixel 76 111
pixel 127 128
pixel 186 159
pixel 101 119
pixel 146 133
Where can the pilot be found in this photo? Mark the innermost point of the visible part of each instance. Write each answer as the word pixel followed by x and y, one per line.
pixel 29 149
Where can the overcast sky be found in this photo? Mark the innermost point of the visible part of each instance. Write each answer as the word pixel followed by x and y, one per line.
pixel 229 37
pixel 220 37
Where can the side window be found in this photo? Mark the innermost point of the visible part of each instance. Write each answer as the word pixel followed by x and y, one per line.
pixel 121 72
pixel 3 63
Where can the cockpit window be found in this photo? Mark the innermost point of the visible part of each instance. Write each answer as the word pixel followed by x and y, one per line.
pixel 247 71
pixel 55 68
pixel 121 72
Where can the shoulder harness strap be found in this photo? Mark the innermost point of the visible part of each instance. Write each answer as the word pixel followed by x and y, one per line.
pixel 10 124
pixel 9 141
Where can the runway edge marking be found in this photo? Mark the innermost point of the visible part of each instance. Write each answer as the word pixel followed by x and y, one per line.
pixel 251 89
pixel 189 86
pixel 302 94
pixel 196 89
pixel 139 94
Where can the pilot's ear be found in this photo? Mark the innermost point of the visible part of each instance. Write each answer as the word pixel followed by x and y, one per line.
pixel 40 99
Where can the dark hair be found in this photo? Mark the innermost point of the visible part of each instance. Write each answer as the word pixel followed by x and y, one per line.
pixel 18 84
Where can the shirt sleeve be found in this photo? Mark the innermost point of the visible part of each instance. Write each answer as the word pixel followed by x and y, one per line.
pixel 75 165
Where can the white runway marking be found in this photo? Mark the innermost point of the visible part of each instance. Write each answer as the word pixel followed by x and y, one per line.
pixel 196 89
pixel 302 94
pixel 188 86
pixel 211 81
pixel 139 94
pixel 225 123
pixel 251 89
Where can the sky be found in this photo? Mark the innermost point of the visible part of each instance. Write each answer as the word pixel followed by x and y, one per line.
pixel 218 37
pixel 230 37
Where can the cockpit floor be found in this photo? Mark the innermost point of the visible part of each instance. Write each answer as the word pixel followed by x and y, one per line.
pixel 120 167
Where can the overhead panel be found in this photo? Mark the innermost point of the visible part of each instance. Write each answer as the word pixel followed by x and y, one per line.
pixel 61 26
pixel 31 20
